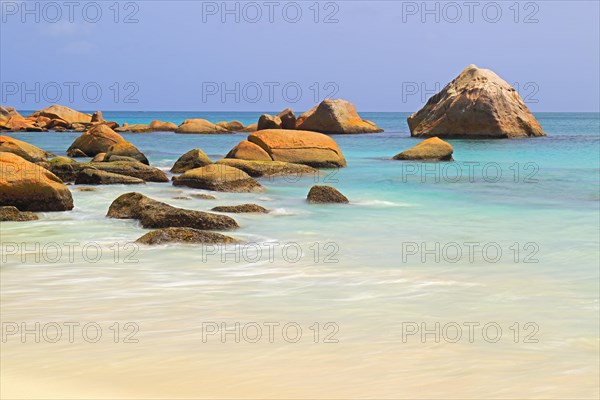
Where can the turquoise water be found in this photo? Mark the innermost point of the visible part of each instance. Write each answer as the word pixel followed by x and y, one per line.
pixel 545 203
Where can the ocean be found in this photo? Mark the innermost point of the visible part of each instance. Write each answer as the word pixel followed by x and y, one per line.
pixel 477 278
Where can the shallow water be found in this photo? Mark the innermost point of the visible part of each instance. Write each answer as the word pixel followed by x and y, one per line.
pixel 397 257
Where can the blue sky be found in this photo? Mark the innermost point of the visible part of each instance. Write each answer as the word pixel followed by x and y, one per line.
pixel 381 55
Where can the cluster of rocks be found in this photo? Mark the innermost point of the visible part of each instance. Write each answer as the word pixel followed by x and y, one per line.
pixel 330 116
pixel 477 104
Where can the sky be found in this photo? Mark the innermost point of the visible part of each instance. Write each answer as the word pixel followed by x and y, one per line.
pixel 157 55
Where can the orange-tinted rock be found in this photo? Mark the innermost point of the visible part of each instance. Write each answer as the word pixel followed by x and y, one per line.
pixel 250 128
pixel 95 140
pixel 300 147
pixel 25 150
pixel 267 121
pixel 432 149
pixel 246 150
pixel 476 104
pixel 200 126
pixel 218 177
pixel 30 187
pixel 161 126
pixel 125 149
pixel 56 111
pixel 335 116
pixel 233 126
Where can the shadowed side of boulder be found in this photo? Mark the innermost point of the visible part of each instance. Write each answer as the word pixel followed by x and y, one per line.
pixel 155 214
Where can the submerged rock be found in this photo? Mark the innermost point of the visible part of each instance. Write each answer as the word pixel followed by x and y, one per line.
pixel 11 213
pixel 94 177
pixel 155 214
pixel 184 235
pixel 203 196
pixel 95 140
pixel 194 158
pixel 218 177
pixel 242 208
pixel 325 194
pixel 335 116
pixel 300 147
pixel 476 104
pixel 23 149
pixel 257 169
pixel 432 149
pixel 30 187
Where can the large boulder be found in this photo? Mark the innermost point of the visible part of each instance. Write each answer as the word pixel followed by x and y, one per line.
pixel 160 126
pixel 232 126
pixel 23 149
pixel 267 121
pixel 335 116
pixel 30 187
pixel 300 147
pixel 11 213
pixel 56 111
pixel 476 104
pixel 184 235
pixel 325 194
pixel 432 149
pixel 194 158
pixel 200 126
pixel 90 176
pixel 246 150
pixel 257 169
pixel 218 177
pixel 125 149
pixel 95 140
pixel 155 214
